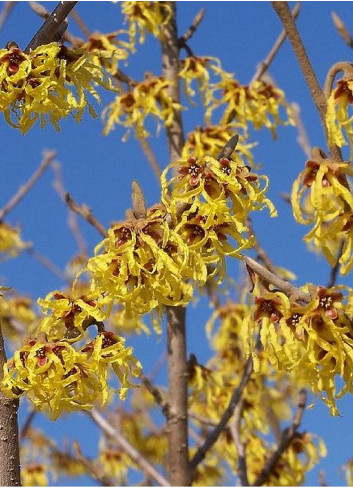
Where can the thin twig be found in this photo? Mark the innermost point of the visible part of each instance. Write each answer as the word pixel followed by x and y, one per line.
pixel 235 427
pixel 342 29
pixel 192 29
pixel 261 253
pixel 46 262
pixel 6 11
pixel 302 138
pixel 342 66
pixel 271 278
pixel 72 217
pixel 40 10
pixel 24 189
pixel 51 26
pixel 158 396
pixel 288 435
pixel 317 94
pixel 146 148
pixel 84 211
pixel 125 445
pixel 335 269
pixel 94 470
pixel 80 22
pixel 265 64
pixel 213 436
pixel 27 424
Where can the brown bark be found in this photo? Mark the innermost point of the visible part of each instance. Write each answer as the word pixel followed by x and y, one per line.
pixel 9 442
pixel 177 362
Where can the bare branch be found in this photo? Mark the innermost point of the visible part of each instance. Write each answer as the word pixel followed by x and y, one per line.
pixel 94 470
pixel 6 11
pixel 275 280
pixel 146 148
pixel 261 253
pixel 47 32
pixel 40 10
pixel 283 12
pixel 24 189
pixel 235 427
pixel 342 29
pixel 128 448
pixel 84 211
pixel 192 29
pixel 288 436
pixel 335 269
pixel 158 397
pixel 46 262
pixel 342 66
pixel 265 64
pixel 302 138
pixel 80 22
pixel 9 439
pixel 213 436
pixel 178 451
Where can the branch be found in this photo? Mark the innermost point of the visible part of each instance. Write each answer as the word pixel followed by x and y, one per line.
pixel 335 269
pixel 235 428
pixel 288 435
pixel 213 436
pixel 192 29
pixel 302 138
pixel 158 397
pixel 79 21
pixel 6 11
pixel 24 189
pixel 51 26
pixel 94 471
pixel 317 94
pixel 146 148
pixel 27 424
pixel 40 10
pixel 342 66
pixel 9 440
pixel 265 64
pixel 178 451
pixel 342 29
pixel 84 211
pixel 261 253
pixel 271 278
pixel 47 263
pixel 128 448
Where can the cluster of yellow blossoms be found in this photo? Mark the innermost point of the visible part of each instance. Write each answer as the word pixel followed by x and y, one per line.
pixel 49 82
pixel 338 114
pixel 266 402
pixel 145 17
pixel 131 109
pixel 314 341
pixel 322 196
pixel 10 241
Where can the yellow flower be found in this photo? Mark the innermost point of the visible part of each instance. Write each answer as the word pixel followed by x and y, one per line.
pixel 338 116
pixel 210 140
pixel 17 316
pixel 145 17
pixel 10 241
pixel 258 104
pixel 71 314
pixel 110 50
pixel 149 97
pixel 115 463
pixel 34 475
pixel 144 264
pixel 49 82
pixel 109 349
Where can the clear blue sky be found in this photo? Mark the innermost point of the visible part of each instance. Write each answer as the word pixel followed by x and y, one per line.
pixel 99 170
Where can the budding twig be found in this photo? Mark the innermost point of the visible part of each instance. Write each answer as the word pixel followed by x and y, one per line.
pixel 192 29
pixel 213 436
pixel 288 435
pixel 265 64
pixel 125 445
pixel 342 29
pixel 84 211
pixel 51 26
pixel 6 11
pixel 139 207
pixel 24 189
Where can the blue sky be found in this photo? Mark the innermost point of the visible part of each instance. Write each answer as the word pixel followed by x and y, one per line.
pixel 99 170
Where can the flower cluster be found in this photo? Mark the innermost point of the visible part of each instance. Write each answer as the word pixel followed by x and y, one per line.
pixel 50 82
pixel 56 377
pixel 258 104
pixel 149 97
pixel 145 17
pixel 210 202
pixel 322 196
pixel 107 50
pixel 313 341
pixel 144 263
pixel 339 115
pixel 17 316
pixel 10 241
